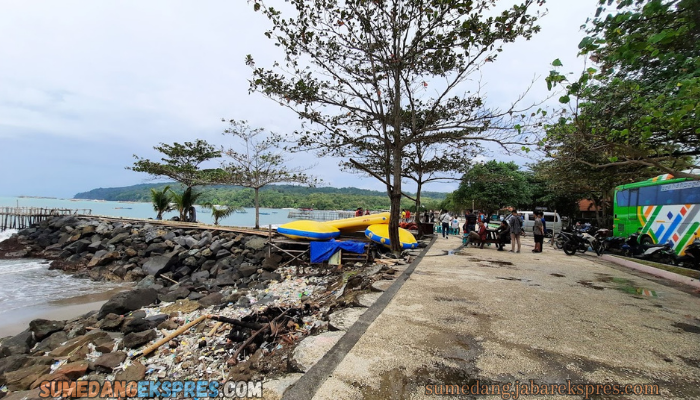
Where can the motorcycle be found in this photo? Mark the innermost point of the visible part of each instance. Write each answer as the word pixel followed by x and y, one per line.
pixel 581 241
pixel 691 259
pixel 662 253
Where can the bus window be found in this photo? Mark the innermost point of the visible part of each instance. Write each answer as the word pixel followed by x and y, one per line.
pixel 623 198
pixel 690 196
pixel 634 195
pixel 668 197
pixel 647 195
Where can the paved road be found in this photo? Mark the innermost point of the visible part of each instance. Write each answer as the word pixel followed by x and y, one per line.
pixel 497 317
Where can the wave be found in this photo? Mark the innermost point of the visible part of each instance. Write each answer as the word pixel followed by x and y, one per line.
pixel 6 234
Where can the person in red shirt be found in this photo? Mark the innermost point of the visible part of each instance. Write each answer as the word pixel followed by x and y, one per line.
pixel 483 233
pixel 358 212
pixel 408 215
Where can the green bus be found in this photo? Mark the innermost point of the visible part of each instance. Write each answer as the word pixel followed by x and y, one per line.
pixel 667 210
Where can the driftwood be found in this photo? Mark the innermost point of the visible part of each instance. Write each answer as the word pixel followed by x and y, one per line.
pixel 150 349
pixel 234 359
pixel 215 328
pixel 235 322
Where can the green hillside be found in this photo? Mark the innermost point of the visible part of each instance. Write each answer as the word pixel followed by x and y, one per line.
pixel 272 196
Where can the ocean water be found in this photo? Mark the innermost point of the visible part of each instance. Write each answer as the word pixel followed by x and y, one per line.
pixel 269 216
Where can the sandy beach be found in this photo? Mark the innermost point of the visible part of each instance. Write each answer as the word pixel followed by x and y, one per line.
pixel 15 321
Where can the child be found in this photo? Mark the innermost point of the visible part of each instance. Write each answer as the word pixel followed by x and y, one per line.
pixel 455 225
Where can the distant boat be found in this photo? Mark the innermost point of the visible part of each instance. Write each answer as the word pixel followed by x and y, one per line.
pixel 263 213
pixel 274 212
pixel 241 211
pixel 122 208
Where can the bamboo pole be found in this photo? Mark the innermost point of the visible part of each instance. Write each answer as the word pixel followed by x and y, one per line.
pixel 150 349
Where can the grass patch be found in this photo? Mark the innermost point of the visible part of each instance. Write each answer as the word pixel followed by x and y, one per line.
pixel 691 273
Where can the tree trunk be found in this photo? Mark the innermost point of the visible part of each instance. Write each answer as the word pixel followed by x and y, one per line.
pixel 418 211
pixel 257 209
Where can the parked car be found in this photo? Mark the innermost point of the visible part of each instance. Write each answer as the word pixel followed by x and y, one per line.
pixel 552 218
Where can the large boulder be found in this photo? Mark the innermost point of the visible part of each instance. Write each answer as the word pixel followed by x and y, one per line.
pixel 158 264
pixel 211 300
pixel 138 339
pixel 107 362
pixel 51 342
pixel 256 243
pixel 132 325
pixel 247 270
pixel 18 344
pixel 23 378
pixel 42 328
pixel 156 248
pixel 176 294
pixel 125 302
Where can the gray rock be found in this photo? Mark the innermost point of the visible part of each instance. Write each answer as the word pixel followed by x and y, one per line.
pixel 156 248
pixel 272 262
pixel 159 264
pixel 107 362
pixel 222 253
pixel 124 302
pixel 256 243
pixel 118 238
pixel 367 299
pixel 342 320
pixel 190 262
pixel 206 253
pixel 178 293
pixel 211 300
pixel 146 282
pixel 274 389
pixel 18 344
pixel 103 228
pixel 111 322
pixel 42 328
pixel 200 276
pixel 195 296
pixel 216 246
pixel 136 325
pixel 190 242
pixel 247 270
pixel 53 341
pixel 228 278
pixel 157 319
pixel 205 241
pixel 138 339
pixel 208 265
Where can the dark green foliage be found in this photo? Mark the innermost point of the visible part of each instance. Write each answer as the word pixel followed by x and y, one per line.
pixel 181 162
pixel 271 196
pixel 492 186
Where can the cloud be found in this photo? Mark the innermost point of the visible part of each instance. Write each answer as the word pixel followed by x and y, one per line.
pixel 87 84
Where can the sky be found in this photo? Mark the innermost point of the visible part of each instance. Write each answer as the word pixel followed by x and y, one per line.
pixel 85 85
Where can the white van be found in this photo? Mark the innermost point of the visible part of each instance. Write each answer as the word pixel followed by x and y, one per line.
pixel 553 222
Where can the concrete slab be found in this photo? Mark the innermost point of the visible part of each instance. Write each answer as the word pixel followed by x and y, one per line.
pixel 342 320
pixel 313 348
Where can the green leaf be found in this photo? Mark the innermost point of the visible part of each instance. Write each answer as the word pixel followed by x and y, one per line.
pixel 564 99
pixel 557 63
pixel 658 37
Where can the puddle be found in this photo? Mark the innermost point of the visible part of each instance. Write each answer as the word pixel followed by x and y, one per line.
pixel 558 275
pixel 639 291
pixel 510 278
pixel 687 327
pixel 501 262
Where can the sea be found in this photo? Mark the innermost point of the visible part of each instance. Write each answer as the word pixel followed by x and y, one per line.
pixel 29 290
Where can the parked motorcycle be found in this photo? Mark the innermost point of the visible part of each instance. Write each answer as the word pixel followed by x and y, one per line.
pixel 691 259
pixel 581 241
pixel 662 253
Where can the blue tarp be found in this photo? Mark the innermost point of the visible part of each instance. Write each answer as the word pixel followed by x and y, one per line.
pixel 322 251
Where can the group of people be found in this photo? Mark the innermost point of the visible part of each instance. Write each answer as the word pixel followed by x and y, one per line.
pixel 359 212
pixel 511 227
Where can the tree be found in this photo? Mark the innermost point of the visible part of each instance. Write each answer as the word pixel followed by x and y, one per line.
pixel 185 201
pixel 220 212
pixel 259 164
pixel 161 201
pixel 353 67
pixel 491 186
pixel 181 162
pixel 639 106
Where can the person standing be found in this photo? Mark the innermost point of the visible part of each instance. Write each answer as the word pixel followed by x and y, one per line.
pixel 403 215
pixel 516 228
pixel 408 215
pixel 445 220
pixel 538 232
pixel 471 221
pixel 455 225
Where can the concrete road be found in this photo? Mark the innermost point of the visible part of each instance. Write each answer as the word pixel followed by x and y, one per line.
pixel 473 317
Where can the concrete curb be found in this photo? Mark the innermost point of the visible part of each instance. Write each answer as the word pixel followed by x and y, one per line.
pixel 307 386
pixel 671 276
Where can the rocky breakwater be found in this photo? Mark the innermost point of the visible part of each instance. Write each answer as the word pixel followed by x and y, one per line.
pixel 250 314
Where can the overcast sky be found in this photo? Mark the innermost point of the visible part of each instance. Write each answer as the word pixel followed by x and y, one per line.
pixel 84 85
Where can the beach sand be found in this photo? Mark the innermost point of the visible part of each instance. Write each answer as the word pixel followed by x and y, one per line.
pixel 15 321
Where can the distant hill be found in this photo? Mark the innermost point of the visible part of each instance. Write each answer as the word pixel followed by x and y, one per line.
pixel 273 196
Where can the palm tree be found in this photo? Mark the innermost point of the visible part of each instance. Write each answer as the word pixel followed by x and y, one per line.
pixel 185 201
pixel 219 212
pixel 161 201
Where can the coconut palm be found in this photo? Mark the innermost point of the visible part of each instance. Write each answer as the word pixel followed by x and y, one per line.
pixel 219 212
pixel 161 201
pixel 185 201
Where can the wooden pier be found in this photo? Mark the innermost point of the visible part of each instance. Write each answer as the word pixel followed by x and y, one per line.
pixel 24 217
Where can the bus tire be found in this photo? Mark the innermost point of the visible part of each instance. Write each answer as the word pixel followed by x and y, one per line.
pixel 646 240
